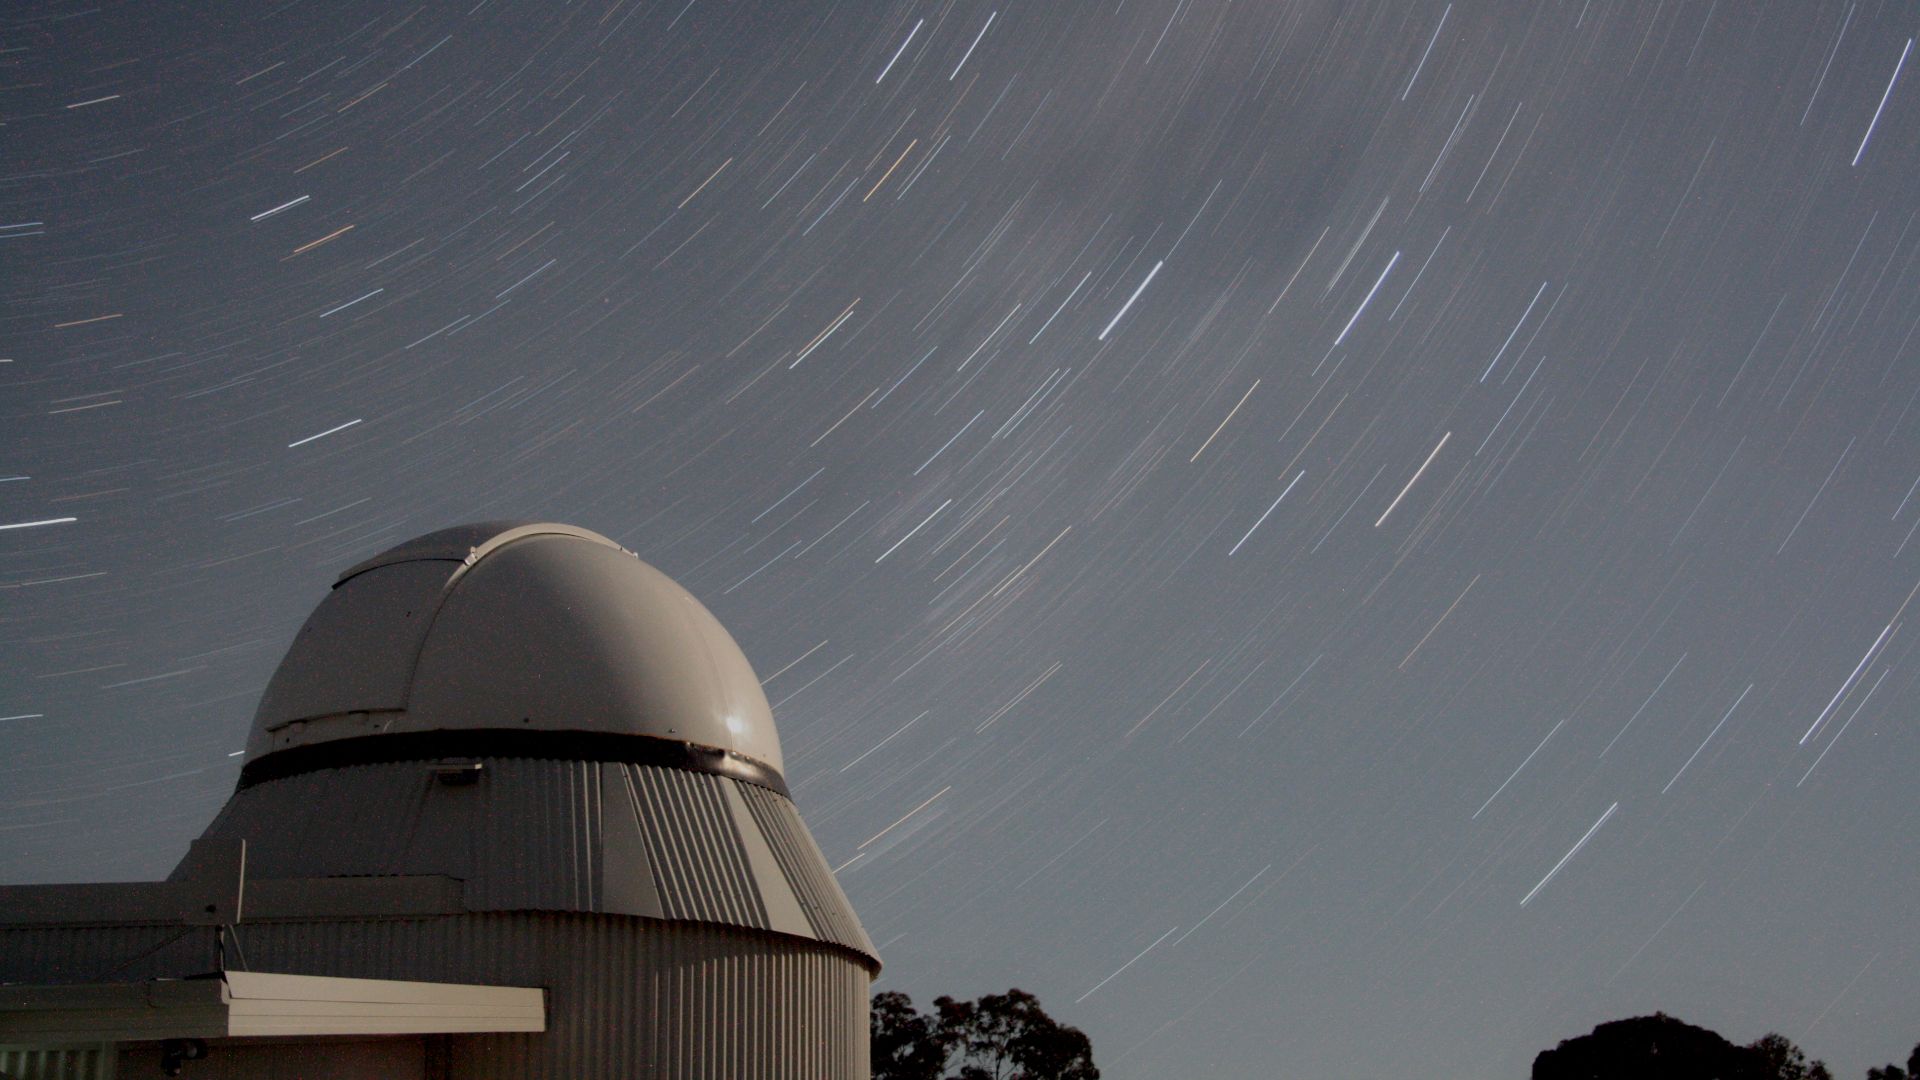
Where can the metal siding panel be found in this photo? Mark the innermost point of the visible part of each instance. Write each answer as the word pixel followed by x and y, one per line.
pixel 69 954
pixel 589 834
pixel 355 821
pixel 387 1057
pixel 438 830
pixel 95 1062
pixel 699 867
pixel 536 834
pixel 525 830
pixel 776 895
pixel 526 835
pixel 806 868
pixel 626 884
pixel 627 996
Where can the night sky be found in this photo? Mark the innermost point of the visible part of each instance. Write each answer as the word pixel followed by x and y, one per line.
pixel 1323 539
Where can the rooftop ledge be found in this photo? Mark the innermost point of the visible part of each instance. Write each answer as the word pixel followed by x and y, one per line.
pixel 254 1003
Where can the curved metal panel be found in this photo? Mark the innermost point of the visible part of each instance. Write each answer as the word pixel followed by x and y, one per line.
pixel 522 627
pixel 466 543
pixel 355 653
pixel 552 633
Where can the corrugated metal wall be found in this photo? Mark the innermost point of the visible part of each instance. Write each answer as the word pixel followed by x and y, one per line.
pixel 393 1057
pixel 825 906
pixel 684 924
pixel 57 1063
pixel 694 847
pixel 556 836
pixel 627 997
pixel 106 954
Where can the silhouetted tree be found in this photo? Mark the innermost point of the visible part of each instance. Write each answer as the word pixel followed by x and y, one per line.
pixel 1657 1047
pixel 1782 1060
pixel 1891 1071
pixel 905 1044
pixel 997 1037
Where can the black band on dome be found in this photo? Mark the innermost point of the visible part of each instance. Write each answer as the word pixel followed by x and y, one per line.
pixel 508 743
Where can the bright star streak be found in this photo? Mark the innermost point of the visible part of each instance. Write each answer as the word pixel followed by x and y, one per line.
pixel 1575 850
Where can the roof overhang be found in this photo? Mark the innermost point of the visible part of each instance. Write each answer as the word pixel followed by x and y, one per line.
pixel 254 1003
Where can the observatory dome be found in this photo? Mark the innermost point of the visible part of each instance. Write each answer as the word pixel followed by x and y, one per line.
pixel 481 636
pixel 501 763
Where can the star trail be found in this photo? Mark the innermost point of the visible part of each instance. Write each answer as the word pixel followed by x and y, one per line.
pixel 1459 453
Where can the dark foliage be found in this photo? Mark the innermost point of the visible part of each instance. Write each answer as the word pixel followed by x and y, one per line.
pixel 906 1045
pixel 1656 1047
pixel 998 1037
pixel 1891 1071
pixel 1781 1060
pixel 1659 1047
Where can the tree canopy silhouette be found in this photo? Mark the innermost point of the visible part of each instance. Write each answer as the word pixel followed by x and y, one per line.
pixel 997 1037
pixel 1891 1071
pixel 1781 1060
pixel 1659 1047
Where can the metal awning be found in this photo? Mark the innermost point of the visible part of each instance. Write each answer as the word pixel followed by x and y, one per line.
pixel 243 1003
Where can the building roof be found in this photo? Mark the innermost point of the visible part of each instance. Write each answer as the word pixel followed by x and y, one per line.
pixel 514 626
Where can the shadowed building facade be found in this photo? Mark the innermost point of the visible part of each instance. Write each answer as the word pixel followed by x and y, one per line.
pixel 512 806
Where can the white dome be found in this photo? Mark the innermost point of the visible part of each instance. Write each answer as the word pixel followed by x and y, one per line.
pixel 504 626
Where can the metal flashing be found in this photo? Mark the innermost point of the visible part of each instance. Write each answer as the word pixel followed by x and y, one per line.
pixel 472 744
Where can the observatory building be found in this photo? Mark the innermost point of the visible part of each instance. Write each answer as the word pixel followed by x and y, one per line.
pixel 512 806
